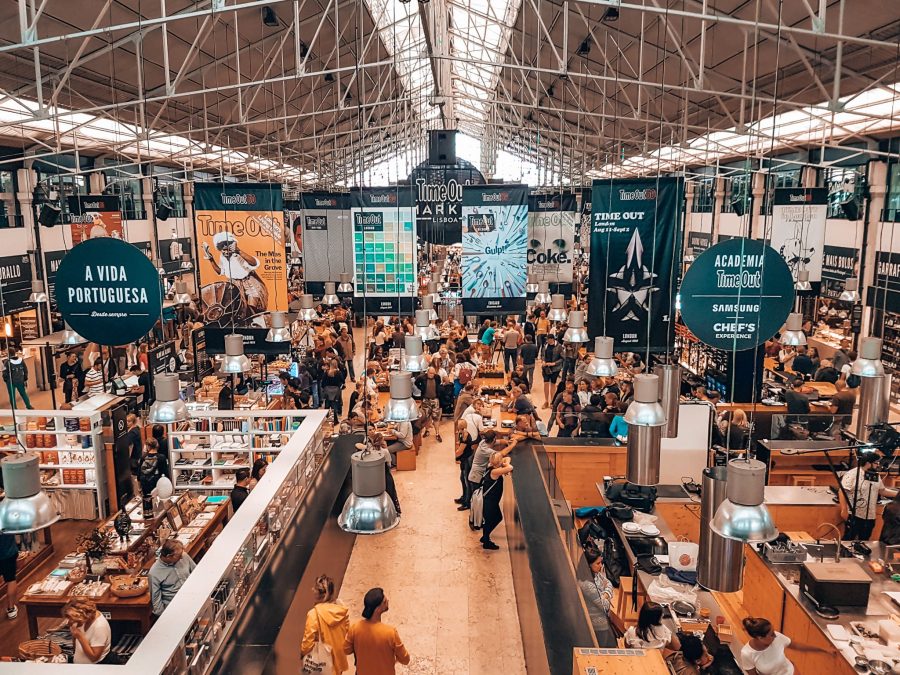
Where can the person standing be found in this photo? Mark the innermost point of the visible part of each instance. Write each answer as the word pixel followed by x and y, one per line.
pixel 764 653
pixel 467 436
pixel 72 375
pixel 241 489
pixel 153 467
pixel 552 366
pixel 15 374
pixel 842 356
pixel 862 487
pixel 528 354
pixel 93 379
pixel 135 444
pixel 512 338
pixel 492 485
pixel 168 574
pixel 428 384
pixel 348 351
pixel 376 646
pixel 542 330
pixel 327 622
pixel 9 558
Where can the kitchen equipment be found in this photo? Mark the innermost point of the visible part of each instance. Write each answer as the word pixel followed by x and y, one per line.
pixel 631 528
pixel 784 552
pixel 843 584
pixel 683 608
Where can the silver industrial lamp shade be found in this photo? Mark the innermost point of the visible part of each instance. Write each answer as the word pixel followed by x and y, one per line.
pixel 414 359
pixel 603 364
pixel 720 564
pixel 576 332
pixel 368 509
pixel 743 516
pixel 428 305
pixel 186 262
pixel 851 291
pixel 802 283
pixel 235 360
pixel 868 364
pixel 557 308
pixel 401 407
pixel 346 284
pixel 330 297
pixel 26 507
pixel 278 330
pixel 543 296
pixel 434 292
pixel 38 294
pixel 307 308
pixel 793 334
pixel 532 286
pixel 689 254
pixel 181 297
pixel 70 337
pixel 645 418
pixel 423 328
pixel 669 395
pixel 167 406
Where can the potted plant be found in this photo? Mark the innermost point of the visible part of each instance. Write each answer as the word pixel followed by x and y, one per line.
pixel 95 544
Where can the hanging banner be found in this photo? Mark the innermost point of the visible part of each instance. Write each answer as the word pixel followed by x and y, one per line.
pixel 699 241
pixel 437 191
pixel 798 228
pixel 583 236
pixel 241 248
pixel 551 237
pixel 108 291
pixel 254 341
pixel 838 264
pixel 635 232
pixel 92 216
pixel 737 294
pixel 494 248
pixel 322 227
pixel 171 255
pixel 15 283
pixel 384 250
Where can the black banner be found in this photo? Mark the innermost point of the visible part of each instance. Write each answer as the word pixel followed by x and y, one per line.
pixel 885 291
pixel 838 264
pixel 635 230
pixel 52 259
pixel 161 359
pixel 203 365
pixel 170 255
pixel 699 241
pixel 254 341
pixel 437 192
pixel 15 279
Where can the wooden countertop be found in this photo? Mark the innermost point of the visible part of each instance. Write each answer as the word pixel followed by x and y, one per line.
pixel 618 662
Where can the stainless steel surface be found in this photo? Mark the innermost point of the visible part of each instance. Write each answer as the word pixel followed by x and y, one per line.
pixel 367 471
pixel 645 410
pixel 168 406
pixel 721 561
pixel 368 515
pixel 742 515
pixel 603 364
pixel 873 404
pixel 643 454
pixel 669 395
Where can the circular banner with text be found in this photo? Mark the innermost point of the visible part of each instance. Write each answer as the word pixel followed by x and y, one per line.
pixel 108 291
pixel 737 294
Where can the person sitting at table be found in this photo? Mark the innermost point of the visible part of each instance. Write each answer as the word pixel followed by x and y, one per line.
pixel 594 422
pixel 843 401
pixel 403 440
pixel 797 401
pixel 618 428
pixel 518 376
pixel 650 633
pixel 377 443
pixel 168 574
pixel 826 372
pixel 693 657
pixel 90 631
pixel 803 365
pixel 764 653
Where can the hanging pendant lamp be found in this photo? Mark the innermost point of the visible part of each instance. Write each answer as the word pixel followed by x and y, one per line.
pixel 428 306
pixel 423 328
pixel 278 330
pixel 434 293
pixel 742 515
pixel 346 285
pixel 543 296
pixel 645 418
pixel 168 406
pixel 181 297
pixel 38 294
pixel 793 334
pixel 235 361
pixel 603 364
pixel 401 407
pixel 414 359
pixel 330 298
pixel 532 286
pixel 70 337
pixel 368 509
pixel 851 291
pixel 576 332
pixel 869 363
pixel 26 507
pixel 803 284
pixel 557 308
pixel 307 308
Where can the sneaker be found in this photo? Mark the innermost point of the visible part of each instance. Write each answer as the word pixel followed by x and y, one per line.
pixel 463 507
pixel 425 435
pixel 439 439
pixel 460 500
pixel 489 545
pixel 12 612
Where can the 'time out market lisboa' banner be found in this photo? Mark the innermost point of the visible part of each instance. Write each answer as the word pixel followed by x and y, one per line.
pixel 240 239
pixel 634 234
pixel 494 248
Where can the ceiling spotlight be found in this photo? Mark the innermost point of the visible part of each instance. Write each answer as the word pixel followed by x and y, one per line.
pixel 278 331
pixel 611 14
pixel 269 17
pixel 584 48
pixel 328 77
pixel 168 406
pixel 235 361
pixel 802 283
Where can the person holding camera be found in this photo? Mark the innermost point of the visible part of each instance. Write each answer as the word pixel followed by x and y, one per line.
pixel 862 486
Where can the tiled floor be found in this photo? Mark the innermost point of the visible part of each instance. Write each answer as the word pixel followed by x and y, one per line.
pixel 452 601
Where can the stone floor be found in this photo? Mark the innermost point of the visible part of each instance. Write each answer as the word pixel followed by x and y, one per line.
pixel 452 601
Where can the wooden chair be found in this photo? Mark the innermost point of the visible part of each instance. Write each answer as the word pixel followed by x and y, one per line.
pixel 623 605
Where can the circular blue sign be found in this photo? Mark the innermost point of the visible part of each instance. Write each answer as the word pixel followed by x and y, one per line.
pixel 737 294
pixel 108 291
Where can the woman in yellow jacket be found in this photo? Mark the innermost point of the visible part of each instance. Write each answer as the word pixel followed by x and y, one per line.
pixel 327 621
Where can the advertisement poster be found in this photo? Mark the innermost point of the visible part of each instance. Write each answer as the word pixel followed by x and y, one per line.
pixel 171 255
pixel 494 248
pixel 241 249
pixel 699 241
pixel 438 193
pixel 737 294
pixel 92 216
pixel 15 280
pixel 322 227
pixel 635 232
pixel 798 228
pixel 108 291
pixel 838 264
pixel 884 293
pixel 384 249
pixel 584 228
pixel 551 237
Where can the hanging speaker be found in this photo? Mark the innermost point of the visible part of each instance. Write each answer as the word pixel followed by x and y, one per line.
pixel 163 210
pixel 737 206
pixel 49 215
pixel 850 209
pixel 442 146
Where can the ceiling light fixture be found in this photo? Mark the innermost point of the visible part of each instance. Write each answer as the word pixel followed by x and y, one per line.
pixel 802 284
pixel 70 337
pixel 646 418
pixel 278 330
pixel 851 291
pixel 401 407
pixel 742 515
pixel 269 17
pixel 330 298
pixel 868 364
pixel 26 507
pixel 557 308
pixel 346 284
pixel 38 294
pixel 603 364
pixel 543 296
pixel 307 308
pixel 576 332
pixel 368 509
pixel 181 297
pixel 168 407
pixel 414 360
pixel 611 14
pixel 235 361
pixel 793 334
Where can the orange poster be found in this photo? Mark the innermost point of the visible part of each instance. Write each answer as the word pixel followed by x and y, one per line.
pixel 92 216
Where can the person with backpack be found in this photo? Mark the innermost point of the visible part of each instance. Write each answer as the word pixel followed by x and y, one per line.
pixel 499 465
pixel 481 458
pixel 463 372
pixel 327 625
pixel 153 466
pixel 15 374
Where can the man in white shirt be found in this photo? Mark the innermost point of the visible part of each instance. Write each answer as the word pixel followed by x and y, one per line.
pixel 403 433
pixel 240 269
pixel 862 487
